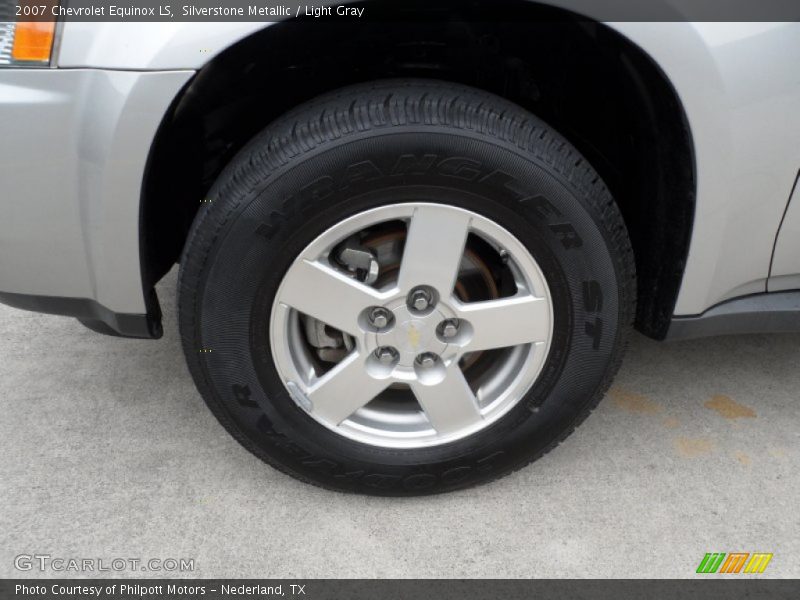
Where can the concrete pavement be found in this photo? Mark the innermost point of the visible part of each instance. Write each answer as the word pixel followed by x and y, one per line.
pixel 107 450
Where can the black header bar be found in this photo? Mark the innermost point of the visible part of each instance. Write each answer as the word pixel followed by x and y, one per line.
pixel 206 11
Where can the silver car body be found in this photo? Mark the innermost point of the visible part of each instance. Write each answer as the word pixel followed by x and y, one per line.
pixel 75 143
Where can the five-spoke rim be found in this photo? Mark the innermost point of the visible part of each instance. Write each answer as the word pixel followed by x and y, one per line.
pixel 413 333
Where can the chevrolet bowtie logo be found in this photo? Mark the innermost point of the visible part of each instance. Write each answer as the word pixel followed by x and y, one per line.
pixel 414 336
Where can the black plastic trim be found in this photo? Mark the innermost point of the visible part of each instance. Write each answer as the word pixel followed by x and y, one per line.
pixel 780 225
pixel 93 315
pixel 778 312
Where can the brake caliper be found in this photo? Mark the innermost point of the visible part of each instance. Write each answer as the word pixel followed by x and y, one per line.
pixel 361 263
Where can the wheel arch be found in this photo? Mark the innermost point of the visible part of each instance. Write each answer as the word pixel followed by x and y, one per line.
pixel 601 90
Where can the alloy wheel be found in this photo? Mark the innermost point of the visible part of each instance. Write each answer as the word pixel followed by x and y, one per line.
pixel 381 333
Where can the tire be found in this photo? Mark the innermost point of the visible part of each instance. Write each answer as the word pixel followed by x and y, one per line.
pixel 371 148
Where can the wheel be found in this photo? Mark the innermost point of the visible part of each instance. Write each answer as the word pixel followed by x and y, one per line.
pixel 405 287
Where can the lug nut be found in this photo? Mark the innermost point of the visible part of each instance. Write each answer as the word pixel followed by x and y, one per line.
pixel 379 317
pixel 420 299
pixel 427 360
pixel 386 355
pixel 450 329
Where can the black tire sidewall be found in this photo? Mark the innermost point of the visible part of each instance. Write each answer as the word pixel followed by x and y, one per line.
pixel 288 208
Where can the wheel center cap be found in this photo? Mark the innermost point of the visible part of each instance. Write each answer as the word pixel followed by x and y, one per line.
pixel 413 334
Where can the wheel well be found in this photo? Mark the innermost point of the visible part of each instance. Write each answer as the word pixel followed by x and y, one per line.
pixel 599 90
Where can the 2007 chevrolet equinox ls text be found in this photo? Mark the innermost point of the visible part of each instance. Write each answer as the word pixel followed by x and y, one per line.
pixel 411 251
